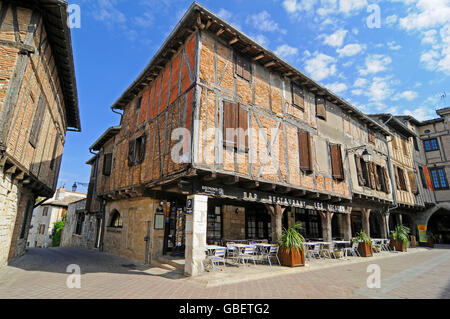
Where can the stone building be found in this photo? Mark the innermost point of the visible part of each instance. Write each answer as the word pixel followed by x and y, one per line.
pixel 47 214
pixel 38 105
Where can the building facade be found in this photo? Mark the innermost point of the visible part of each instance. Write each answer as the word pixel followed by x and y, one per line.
pixel 38 105
pixel 47 214
pixel 222 140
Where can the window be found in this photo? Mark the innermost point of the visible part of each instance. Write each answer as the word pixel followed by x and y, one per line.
pixel 394 142
pixel 423 177
pixel 304 144
pixel 412 183
pixel 138 103
pixel 372 139
pixel 321 111
pixel 243 68
pixel 80 222
pixel 298 98
pixel 431 145
pixel 405 147
pixel 214 223
pixel 136 151
pixel 361 170
pixel 45 211
pixel 439 178
pixel 107 160
pixel 401 181
pixel 336 162
pixel 37 122
pixel 416 144
pixel 310 220
pixel 116 220
pixel 235 126
pixel 55 148
pixel 42 229
pixel 257 224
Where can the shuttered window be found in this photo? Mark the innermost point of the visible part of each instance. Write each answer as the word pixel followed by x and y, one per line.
pixel 394 142
pixel 371 138
pixel 138 103
pixel 304 144
pixel 373 183
pixel 55 148
pixel 235 126
pixel 321 111
pixel 423 177
pixel 386 180
pixel 359 171
pixel 243 68
pixel 401 179
pixel 378 181
pixel 336 162
pixel 136 151
pixel 416 144
pixel 405 147
pixel 298 98
pixel 107 164
pixel 412 182
pixel 37 121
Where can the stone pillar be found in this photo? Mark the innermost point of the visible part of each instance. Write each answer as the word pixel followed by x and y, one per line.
pixel 195 233
pixel 276 214
pixel 365 220
pixel 326 225
pixel 387 216
pixel 347 227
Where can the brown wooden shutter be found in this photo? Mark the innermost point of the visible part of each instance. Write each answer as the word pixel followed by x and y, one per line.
pixel 304 145
pixel 405 147
pixel 239 70
pixel 397 178
pixel 373 183
pixel 412 181
pixel 401 175
pixel 131 152
pixel 55 148
pixel 394 142
pixel 230 121
pixel 243 127
pixel 297 96
pixel 142 142
pixel 321 111
pixel 386 180
pixel 336 162
pixel 377 177
pixel 359 171
pixel 37 122
pixel 107 161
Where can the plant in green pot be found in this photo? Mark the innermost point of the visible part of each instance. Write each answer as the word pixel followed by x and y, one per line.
pixel 365 244
pixel 292 248
pixel 400 238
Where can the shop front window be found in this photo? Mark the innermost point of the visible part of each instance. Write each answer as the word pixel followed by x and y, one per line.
pixel 310 221
pixel 257 224
pixel 214 223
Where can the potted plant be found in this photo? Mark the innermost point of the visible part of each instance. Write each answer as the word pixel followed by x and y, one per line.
pixel 399 238
pixel 378 248
pixel 338 253
pixel 365 245
pixel 292 249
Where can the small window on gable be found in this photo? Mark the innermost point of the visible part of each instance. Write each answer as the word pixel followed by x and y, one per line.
pixel 136 151
pixel 138 103
pixel 243 68
pixel 107 161
pixel 321 111
pixel 298 98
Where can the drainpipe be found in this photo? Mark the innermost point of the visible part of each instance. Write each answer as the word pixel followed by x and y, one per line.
pixel 121 114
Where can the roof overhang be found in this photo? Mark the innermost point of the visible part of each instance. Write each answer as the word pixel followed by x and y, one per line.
pixel 397 125
pixel 105 137
pixel 198 17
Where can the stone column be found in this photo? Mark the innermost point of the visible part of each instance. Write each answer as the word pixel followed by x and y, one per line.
pixel 348 227
pixel 326 225
pixel 276 213
pixel 365 220
pixel 387 216
pixel 195 233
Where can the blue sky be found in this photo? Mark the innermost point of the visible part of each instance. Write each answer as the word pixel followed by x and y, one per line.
pixel 402 67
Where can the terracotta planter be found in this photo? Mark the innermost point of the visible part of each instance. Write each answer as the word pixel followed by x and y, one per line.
pixel 365 249
pixel 291 257
pixel 398 245
pixel 413 242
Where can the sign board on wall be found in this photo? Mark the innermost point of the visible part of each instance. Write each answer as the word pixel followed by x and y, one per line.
pixel 422 233
pixel 159 221
pixel 190 206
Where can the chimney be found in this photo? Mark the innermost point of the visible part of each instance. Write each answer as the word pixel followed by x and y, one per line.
pixel 74 187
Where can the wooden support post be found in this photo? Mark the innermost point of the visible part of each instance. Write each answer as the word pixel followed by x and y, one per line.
pixel 276 214
pixel 348 227
pixel 326 225
pixel 365 212
pixel 383 225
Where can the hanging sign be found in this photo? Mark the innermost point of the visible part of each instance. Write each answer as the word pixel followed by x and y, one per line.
pixel 190 206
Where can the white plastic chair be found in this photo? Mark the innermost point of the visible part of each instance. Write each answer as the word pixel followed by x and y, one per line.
pixel 353 250
pixel 329 251
pixel 315 251
pixel 273 253
pixel 218 257
pixel 247 254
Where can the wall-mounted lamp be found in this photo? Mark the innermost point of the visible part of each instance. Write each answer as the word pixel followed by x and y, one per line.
pixel 366 156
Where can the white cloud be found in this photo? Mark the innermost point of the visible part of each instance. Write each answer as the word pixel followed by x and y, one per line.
pixel 379 90
pixel 430 59
pixel 261 39
pixel 286 51
pixel 262 21
pixel 320 66
pixel 429 37
pixel 337 87
pixel 292 6
pixel 336 39
pixel 428 14
pixel 348 6
pixel 375 63
pixel 350 50
pixel 360 82
pixel 406 95
pixel 391 20
pixel 422 113
pixel 394 46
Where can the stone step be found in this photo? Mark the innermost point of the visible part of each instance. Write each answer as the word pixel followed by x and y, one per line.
pixel 163 266
pixel 177 263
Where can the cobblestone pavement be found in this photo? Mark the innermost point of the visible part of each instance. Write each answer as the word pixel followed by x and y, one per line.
pixel 41 273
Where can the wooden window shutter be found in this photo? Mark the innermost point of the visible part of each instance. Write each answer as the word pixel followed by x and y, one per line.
pixel 243 127
pixel 402 179
pixel 37 122
pixel 298 98
pixel 140 148
pixel 372 138
pixel 405 147
pixel 336 162
pixel 321 111
pixel 376 170
pixel 55 148
pixel 394 142
pixel 386 180
pixel 131 152
pixel 412 182
pixel 230 123
pixel 246 69
pixel 107 164
pixel 373 182
pixel 397 178
pixel 359 171
pixel 239 62
pixel 304 145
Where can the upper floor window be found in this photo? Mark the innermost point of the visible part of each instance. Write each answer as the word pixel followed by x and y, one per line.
pixel 138 103
pixel 416 144
pixel 372 139
pixel 321 111
pixel 136 151
pixel 431 145
pixel 439 178
pixel 243 68
pixel 405 147
pixel 304 144
pixel 336 162
pixel 37 121
pixel 107 161
pixel 235 126
pixel 298 98
pixel 45 211
pixel 401 180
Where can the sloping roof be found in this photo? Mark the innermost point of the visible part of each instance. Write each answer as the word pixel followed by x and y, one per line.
pixel 394 123
pixel 105 137
pixel 54 14
pixel 63 202
pixel 199 16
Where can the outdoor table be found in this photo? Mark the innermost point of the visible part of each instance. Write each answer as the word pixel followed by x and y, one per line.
pixel 210 249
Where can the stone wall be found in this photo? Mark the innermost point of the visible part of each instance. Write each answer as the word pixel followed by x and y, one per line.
pixel 233 224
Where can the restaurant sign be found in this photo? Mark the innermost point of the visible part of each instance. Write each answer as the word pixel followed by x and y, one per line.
pixel 267 198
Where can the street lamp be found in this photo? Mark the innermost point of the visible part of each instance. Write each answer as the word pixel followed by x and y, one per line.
pixel 366 156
